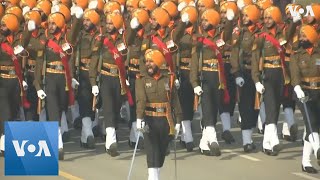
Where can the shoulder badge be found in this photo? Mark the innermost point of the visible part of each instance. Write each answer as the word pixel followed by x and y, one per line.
pixel 40 53
pixel 254 47
pixel 234 42
pixel 143 47
pixel 148 85
pixel 295 38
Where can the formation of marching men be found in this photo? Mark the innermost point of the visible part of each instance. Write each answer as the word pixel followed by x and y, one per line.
pixel 165 59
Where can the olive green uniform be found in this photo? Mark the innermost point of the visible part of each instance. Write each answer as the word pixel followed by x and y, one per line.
pixel 157 110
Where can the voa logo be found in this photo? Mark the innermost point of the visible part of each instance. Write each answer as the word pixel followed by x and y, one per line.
pixel 296 10
pixel 41 148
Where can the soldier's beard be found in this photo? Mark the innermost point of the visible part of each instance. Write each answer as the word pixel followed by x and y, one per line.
pixel 152 70
pixel 271 26
pixel 89 28
pixel 207 28
pixel 305 44
pixel 248 23
pixel 112 31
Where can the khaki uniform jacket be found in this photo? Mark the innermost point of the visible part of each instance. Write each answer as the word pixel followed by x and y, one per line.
pixel 303 65
pixel 241 56
pixel 70 36
pixel 260 47
pixel 106 56
pixel 206 51
pixel 150 90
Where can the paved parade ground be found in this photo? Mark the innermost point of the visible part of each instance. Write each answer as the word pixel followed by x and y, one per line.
pixel 232 164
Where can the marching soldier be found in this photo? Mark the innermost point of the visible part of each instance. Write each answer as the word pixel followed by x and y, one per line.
pixel 157 103
pixel 207 63
pixel 33 47
pixel 305 75
pixel 227 111
pixel 242 42
pixel 89 38
pixel 135 35
pixel 55 68
pixel 112 77
pixel 183 64
pixel 290 128
pixel 12 84
pixel 63 9
pixel 270 74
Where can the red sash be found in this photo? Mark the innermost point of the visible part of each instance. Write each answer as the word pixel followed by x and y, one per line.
pixel 64 59
pixel 281 52
pixel 9 50
pixel 119 62
pixel 222 78
pixel 167 55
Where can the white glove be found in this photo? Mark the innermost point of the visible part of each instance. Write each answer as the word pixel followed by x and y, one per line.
pixel 41 94
pixel 299 92
pixel 185 18
pixel 127 83
pixel 198 90
pixel 25 10
pixel 24 85
pixel 134 23
pixel 260 88
pixel 158 2
pixel 93 4
pixel 296 17
pixel 95 90
pixel 216 2
pixel 230 14
pixel 74 83
pixel 72 10
pixel 18 49
pixel 239 81
pixel 31 25
pixel 177 130
pixel 122 8
pixel 55 2
pixel 140 124
pixel 78 12
pixel 182 5
pixel 55 9
pixel 177 83
pixel 240 4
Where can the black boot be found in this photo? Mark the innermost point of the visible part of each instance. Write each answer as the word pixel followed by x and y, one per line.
pixel 61 154
pixel 66 137
pixel 294 132
pixel 249 148
pixel 227 137
pixel 267 151
pixel 77 123
pixel 113 150
pixel 309 169
pixel 189 146
pixel 90 143
pixel 275 150
pixel 214 149
pixel 1 153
